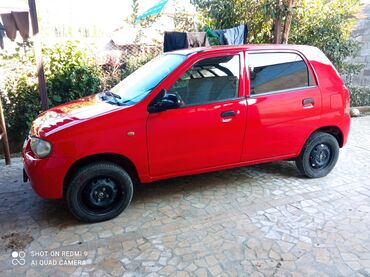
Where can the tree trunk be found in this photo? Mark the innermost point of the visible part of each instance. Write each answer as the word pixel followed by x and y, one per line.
pixel 277 23
pixel 288 22
pixel 4 136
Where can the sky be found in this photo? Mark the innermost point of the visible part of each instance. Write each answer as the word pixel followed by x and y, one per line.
pixel 93 21
pixel 103 15
pixel 106 15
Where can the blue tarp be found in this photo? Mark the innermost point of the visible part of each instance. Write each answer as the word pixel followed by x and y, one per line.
pixel 157 8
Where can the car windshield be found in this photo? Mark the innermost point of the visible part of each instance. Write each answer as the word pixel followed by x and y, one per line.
pixel 141 82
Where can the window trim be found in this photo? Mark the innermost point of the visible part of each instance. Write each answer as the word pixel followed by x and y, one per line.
pixel 264 51
pixel 239 98
pixel 282 91
pixel 240 93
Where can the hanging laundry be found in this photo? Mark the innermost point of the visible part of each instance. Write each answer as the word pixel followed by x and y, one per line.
pixel 2 35
pixel 16 21
pixel 236 35
pixel 180 40
pixel 233 36
pixel 174 41
pixel 197 39
pixel 23 24
pixel 9 25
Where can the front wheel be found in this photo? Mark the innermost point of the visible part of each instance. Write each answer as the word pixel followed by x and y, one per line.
pixel 99 191
pixel 319 155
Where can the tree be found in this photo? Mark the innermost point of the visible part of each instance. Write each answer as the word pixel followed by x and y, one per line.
pixel 327 25
pixel 221 14
pixel 283 14
pixel 268 20
pixel 288 21
pixel 277 21
pixel 135 10
pixel 323 23
pixel 183 20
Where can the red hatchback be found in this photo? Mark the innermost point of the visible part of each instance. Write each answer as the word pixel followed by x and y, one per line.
pixel 188 112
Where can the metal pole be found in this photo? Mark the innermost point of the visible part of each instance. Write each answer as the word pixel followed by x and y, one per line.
pixel 4 136
pixel 38 55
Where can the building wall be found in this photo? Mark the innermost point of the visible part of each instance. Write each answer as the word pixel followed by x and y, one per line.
pixel 361 33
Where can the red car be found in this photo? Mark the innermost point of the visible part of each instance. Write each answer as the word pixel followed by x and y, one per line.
pixel 188 112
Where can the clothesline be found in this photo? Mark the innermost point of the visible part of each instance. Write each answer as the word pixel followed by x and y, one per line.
pixel 182 40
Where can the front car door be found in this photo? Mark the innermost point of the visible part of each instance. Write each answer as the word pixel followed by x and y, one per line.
pixel 207 130
pixel 284 105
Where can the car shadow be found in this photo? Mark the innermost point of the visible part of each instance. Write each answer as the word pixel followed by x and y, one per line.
pixel 55 214
pixel 204 181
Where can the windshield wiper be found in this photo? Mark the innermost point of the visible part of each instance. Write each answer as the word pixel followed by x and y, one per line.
pixel 113 95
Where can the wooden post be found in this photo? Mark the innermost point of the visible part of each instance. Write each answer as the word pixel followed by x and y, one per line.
pixel 38 55
pixel 4 136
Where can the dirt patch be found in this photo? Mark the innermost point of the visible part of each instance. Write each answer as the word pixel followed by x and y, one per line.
pixel 15 241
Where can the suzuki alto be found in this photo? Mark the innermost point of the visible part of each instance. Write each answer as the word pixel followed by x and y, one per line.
pixel 188 112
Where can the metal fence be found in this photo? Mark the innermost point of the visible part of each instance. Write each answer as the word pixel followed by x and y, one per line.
pixel 138 50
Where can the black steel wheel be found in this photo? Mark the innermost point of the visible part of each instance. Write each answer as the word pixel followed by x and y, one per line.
pixel 319 155
pixel 99 191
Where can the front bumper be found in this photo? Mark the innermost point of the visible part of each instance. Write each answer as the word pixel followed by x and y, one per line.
pixel 46 175
pixel 25 176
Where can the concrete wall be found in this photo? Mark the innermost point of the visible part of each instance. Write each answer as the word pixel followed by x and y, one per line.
pixel 361 33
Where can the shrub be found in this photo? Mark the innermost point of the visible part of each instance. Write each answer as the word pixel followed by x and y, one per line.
pixel 133 63
pixel 113 74
pixel 360 96
pixel 70 73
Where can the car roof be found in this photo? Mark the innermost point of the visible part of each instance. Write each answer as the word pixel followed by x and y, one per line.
pixel 190 51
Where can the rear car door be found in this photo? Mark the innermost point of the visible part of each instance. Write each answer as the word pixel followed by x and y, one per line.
pixel 207 130
pixel 284 104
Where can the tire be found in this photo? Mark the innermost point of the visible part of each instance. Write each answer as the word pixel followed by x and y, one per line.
pixel 99 192
pixel 319 155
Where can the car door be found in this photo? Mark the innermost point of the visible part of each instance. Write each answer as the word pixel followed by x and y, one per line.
pixel 207 130
pixel 284 105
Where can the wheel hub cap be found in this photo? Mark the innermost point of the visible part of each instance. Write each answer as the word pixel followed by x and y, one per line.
pixel 103 192
pixel 320 156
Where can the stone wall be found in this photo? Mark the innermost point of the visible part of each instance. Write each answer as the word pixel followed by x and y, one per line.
pixel 361 33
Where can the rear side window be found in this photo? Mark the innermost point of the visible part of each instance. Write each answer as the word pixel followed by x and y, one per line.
pixel 270 72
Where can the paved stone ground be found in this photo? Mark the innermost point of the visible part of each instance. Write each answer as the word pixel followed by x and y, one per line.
pixel 261 220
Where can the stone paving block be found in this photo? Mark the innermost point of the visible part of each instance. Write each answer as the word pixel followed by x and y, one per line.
pixel 262 220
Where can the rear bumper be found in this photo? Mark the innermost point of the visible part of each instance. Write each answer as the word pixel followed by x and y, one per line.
pixel 345 127
pixel 46 175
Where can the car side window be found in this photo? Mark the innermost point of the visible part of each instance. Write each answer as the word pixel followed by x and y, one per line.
pixel 209 80
pixel 271 72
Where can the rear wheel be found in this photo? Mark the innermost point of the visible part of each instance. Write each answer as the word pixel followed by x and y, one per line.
pixel 99 191
pixel 319 155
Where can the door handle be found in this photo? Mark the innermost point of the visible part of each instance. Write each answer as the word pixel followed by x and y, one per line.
pixel 308 101
pixel 228 114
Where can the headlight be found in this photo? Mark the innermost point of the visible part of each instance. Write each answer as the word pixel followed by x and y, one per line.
pixel 40 147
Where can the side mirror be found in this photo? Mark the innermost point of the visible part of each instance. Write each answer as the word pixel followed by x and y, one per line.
pixel 168 101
